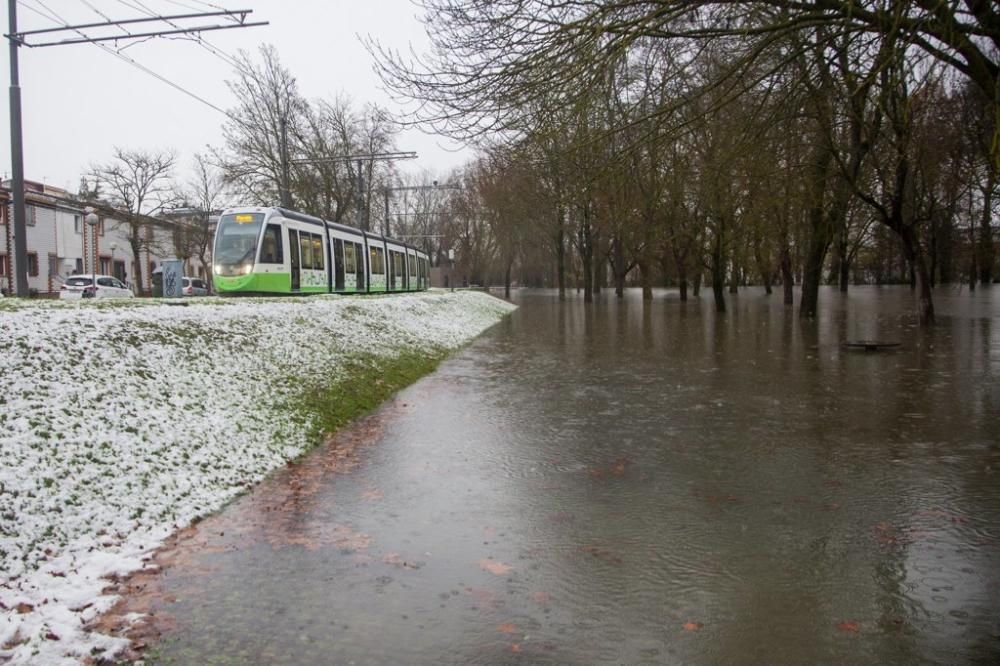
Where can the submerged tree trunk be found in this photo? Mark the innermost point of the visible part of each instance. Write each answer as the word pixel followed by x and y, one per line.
pixel 586 242
pixel 681 260
pixel 918 269
pixel 618 266
pixel 812 273
pixel 646 279
pixel 820 232
pixel 987 251
pixel 718 275
pixel 785 266
pixel 843 261
pixel 560 240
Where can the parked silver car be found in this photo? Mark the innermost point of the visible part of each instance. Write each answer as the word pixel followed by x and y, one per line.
pixel 94 286
pixel 194 287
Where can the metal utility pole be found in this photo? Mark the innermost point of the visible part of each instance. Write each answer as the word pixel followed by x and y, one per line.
pixel 17 162
pixel 362 212
pixel 18 39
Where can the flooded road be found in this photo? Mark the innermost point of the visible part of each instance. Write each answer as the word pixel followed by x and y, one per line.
pixel 633 484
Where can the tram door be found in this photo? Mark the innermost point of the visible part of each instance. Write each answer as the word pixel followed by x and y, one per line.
pixel 293 254
pixel 338 264
pixel 359 262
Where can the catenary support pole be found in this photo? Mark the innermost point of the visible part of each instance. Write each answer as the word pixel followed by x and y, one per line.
pixel 17 160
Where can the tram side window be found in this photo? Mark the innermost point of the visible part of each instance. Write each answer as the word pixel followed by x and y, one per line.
pixel 270 251
pixel 318 257
pixel 378 260
pixel 413 266
pixel 305 244
pixel 349 265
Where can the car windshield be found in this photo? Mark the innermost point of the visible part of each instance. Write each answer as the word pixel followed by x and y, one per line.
pixel 236 238
pixel 78 281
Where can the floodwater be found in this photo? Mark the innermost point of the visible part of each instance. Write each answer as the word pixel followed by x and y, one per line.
pixel 630 483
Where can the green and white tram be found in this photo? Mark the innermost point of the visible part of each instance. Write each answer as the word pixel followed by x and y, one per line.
pixel 279 251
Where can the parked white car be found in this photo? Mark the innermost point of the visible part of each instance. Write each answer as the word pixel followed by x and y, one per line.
pixel 82 286
pixel 194 287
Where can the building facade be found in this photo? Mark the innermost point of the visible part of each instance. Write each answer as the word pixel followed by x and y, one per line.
pixel 61 243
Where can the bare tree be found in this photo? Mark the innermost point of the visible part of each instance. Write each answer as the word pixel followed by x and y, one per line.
pixel 204 193
pixel 137 186
pixel 257 135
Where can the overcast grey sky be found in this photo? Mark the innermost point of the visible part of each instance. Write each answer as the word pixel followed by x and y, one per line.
pixel 78 101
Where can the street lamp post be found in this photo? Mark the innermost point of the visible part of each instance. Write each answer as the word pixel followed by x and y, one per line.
pixel 113 246
pixel 92 220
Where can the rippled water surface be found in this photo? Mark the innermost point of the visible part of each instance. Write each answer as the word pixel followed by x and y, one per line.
pixel 632 483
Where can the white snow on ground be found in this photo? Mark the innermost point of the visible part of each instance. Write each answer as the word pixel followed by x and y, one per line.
pixel 121 423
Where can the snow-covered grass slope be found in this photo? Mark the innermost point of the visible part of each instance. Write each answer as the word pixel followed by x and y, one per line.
pixel 120 423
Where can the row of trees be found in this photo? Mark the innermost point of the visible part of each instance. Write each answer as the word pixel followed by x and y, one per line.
pixel 739 139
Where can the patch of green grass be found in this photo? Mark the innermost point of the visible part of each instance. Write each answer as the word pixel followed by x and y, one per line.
pixel 363 385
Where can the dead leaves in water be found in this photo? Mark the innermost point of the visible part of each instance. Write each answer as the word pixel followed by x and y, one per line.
pixel 494 567
pixel 848 627
pixel 602 554
pixel 616 469
pixel 396 560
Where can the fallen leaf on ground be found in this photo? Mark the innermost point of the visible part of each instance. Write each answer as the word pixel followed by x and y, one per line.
pixel 506 628
pixel 542 597
pixel 692 626
pixel 849 627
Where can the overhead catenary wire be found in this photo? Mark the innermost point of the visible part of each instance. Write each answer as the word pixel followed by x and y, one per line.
pixel 141 7
pixel 55 17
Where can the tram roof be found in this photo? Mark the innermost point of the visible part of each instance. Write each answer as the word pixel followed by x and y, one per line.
pixel 312 219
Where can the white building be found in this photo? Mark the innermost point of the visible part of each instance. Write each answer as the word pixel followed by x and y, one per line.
pixel 61 243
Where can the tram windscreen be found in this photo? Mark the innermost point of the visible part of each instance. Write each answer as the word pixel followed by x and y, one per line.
pixel 236 243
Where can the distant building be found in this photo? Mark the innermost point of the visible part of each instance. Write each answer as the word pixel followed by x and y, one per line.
pixel 61 243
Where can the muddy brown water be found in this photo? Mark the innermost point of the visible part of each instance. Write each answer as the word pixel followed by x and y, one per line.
pixel 632 483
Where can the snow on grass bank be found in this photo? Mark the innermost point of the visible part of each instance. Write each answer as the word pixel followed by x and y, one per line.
pixel 121 423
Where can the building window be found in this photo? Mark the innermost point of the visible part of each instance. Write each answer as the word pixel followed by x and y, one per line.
pixel 53 265
pixel 78 224
pixel 105 265
pixel 29 216
pixel 78 267
pixel 33 264
pixel 3 264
